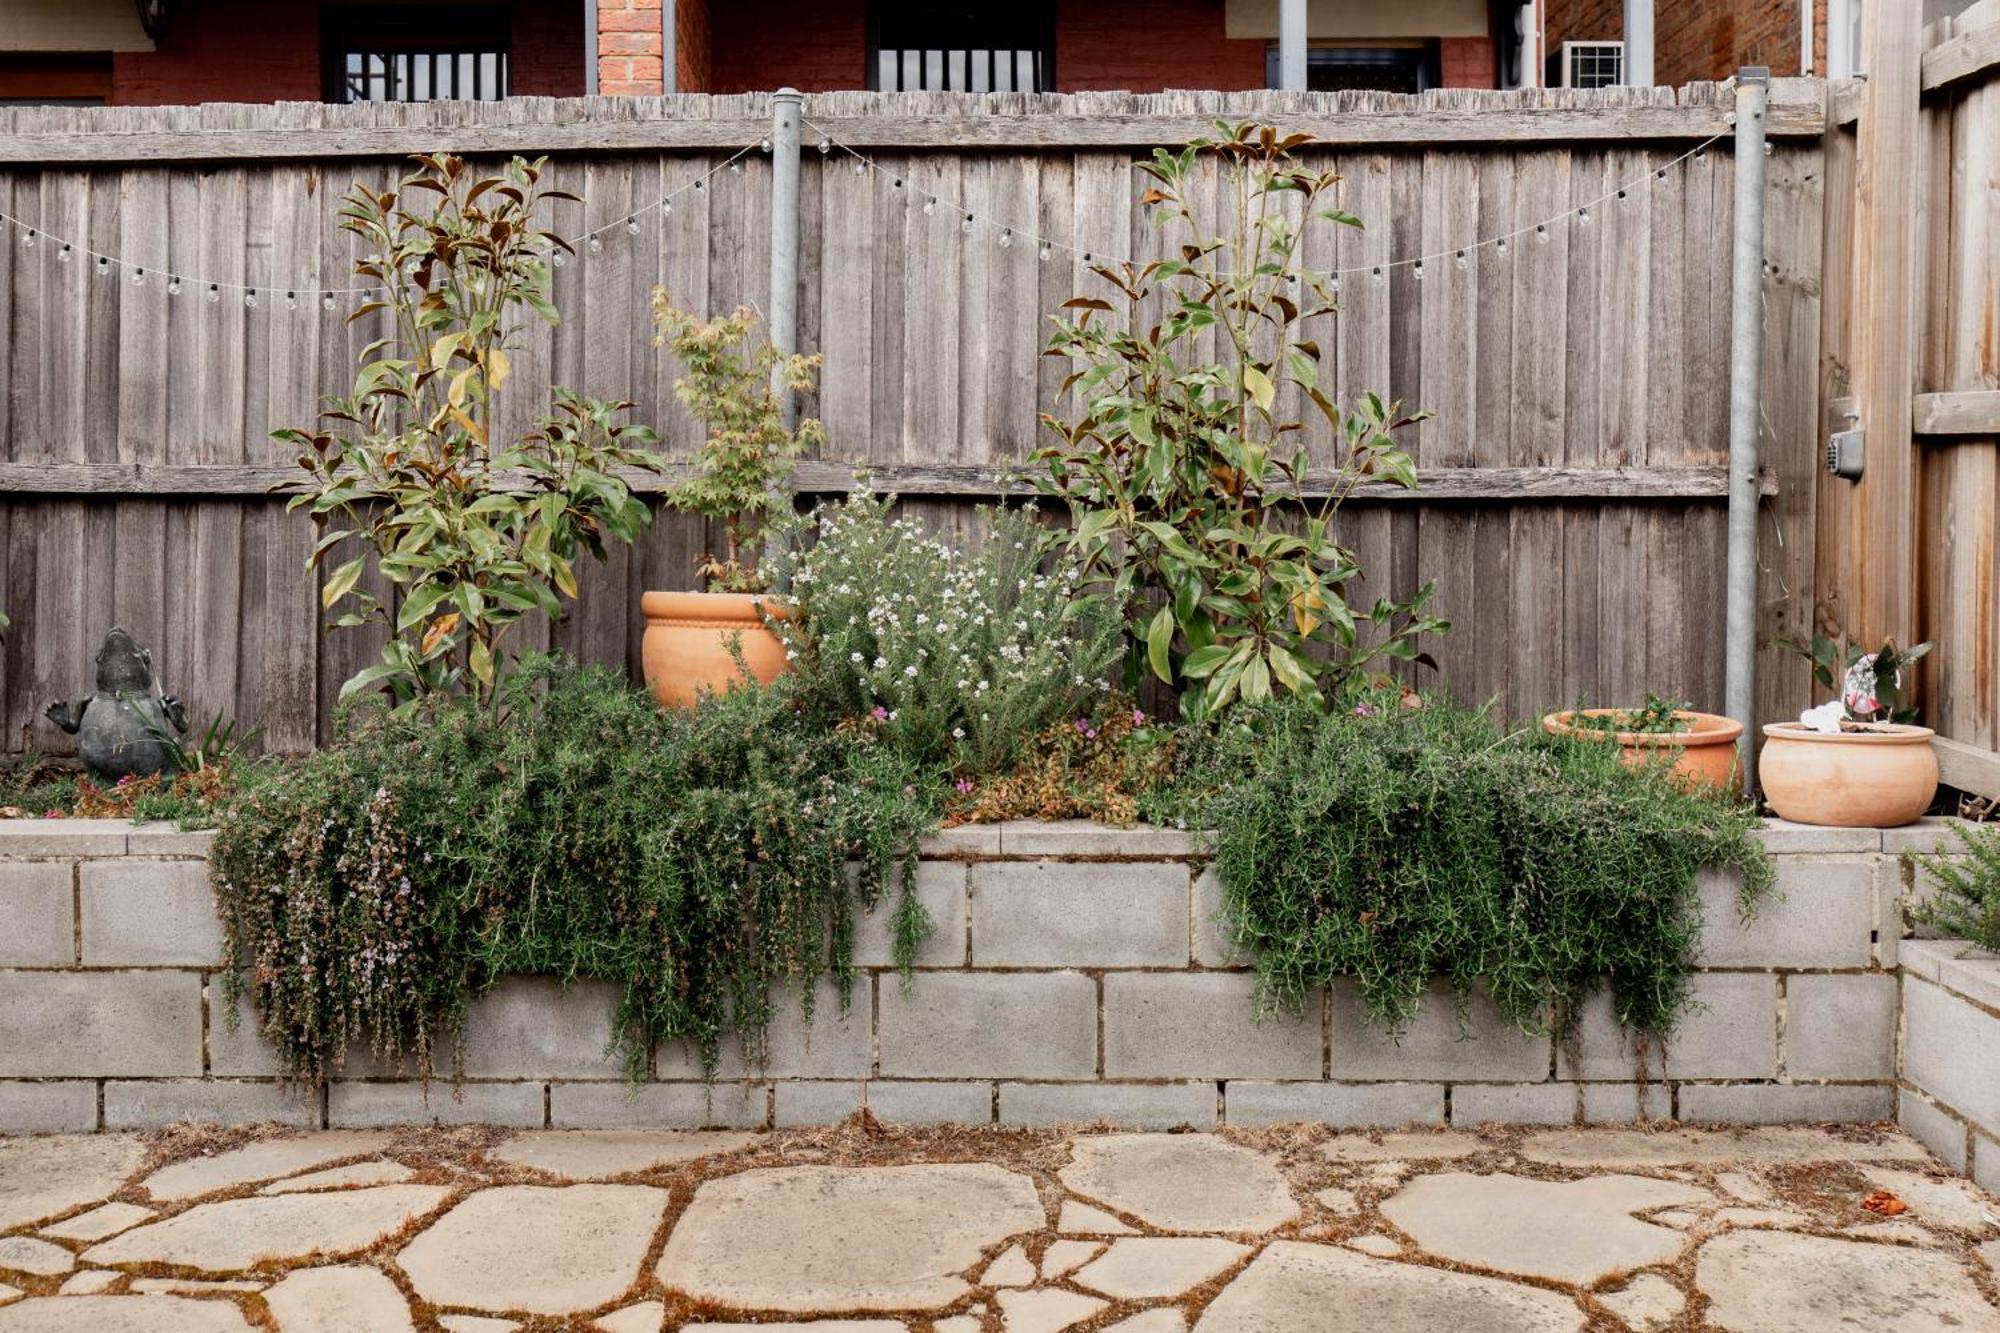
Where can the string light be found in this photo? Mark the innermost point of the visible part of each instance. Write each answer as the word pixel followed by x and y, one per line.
pixel 138 277
pixel 63 254
pixel 174 287
pixel 103 266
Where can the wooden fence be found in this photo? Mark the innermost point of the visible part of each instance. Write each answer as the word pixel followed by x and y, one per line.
pixel 1573 505
pixel 1912 335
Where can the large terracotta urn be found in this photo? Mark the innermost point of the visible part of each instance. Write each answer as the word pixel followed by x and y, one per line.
pixel 1876 775
pixel 1703 754
pixel 686 648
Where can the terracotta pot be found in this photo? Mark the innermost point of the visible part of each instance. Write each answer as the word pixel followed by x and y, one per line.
pixel 1877 778
pixel 1702 756
pixel 686 646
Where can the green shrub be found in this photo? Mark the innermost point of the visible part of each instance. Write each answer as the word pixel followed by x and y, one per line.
pixel 1396 845
pixel 695 859
pixel 1966 904
pixel 957 658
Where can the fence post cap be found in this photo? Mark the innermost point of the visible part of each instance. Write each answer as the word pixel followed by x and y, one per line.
pixel 788 95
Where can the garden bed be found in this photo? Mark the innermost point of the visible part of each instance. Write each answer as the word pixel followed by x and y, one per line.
pixel 1077 973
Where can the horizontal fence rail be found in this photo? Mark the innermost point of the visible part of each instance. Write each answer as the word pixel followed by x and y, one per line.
pixel 1571 474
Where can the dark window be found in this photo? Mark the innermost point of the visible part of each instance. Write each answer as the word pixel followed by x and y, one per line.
pixel 972 46
pixel 55 79
pixel 1382 69
pixel 427 53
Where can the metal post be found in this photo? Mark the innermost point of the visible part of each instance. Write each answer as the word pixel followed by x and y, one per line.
pixel 1292 44
pixel 1639 43
pixel 1746 351
pixel 590 48
pixel 670 55
pixel 781 316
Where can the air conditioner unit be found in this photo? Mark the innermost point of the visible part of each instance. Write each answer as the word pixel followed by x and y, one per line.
pixel 1593 64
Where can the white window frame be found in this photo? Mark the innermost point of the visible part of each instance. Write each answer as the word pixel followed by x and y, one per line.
pixel 1568 55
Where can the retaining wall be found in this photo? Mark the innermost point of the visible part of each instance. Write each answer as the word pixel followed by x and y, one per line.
pixel 1950 1096
pixel 1078 972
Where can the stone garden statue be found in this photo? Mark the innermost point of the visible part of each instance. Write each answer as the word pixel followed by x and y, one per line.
pixel 121 730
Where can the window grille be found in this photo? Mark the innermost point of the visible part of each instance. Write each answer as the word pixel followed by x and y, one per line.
pixel 418 54
pixel 1593 64
pixel 974 46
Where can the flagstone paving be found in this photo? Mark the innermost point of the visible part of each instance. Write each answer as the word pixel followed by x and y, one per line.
pixel 861 1228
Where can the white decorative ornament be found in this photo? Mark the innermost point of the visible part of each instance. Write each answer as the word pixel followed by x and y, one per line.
pixel 1825 718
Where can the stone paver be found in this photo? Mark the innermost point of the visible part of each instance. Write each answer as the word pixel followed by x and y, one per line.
pixel 1143 1267
pixel 645 1317
pixel 1049 1310
pixel 475 1323
pixel 1954 1203
pixel 1293 1287
pixel 25 1254
pixel 341 1177
pixel 1151 1321
pixel 542 1249
pixel 90 1282
pixel 267 1159
pixel 98 1223
pixel 1182 1182
pixel 1571 1231
pixel 236 1234
pixel 592 1154
pixel 1011 1269
pixel 1080 1219
pixel 1648 1302
pixel 346 1299
pixel 1777 1282
pixel 121 1314
pixel 43 1177
pixel 1066 1256
pixel 845 1238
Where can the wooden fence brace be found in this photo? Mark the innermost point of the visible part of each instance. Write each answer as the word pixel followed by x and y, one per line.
pixel 1746 350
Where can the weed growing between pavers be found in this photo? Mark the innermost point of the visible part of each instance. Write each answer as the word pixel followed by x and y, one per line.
pixel 1396 845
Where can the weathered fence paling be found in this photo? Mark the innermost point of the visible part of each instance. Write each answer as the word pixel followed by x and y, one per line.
pixel 1573 471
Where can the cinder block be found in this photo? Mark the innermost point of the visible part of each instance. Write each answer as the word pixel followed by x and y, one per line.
pixel 1986 1162
pixel 1820 914
pixel 239 1050
pixel 148 914
pixel 1079 914
pixel 160 838
pixel 1341 1105
pixel 1783 1103
pixel 814 1103
pixel 1932 833
pixel 740 1105
pixel 1938 1130
pixel 1126 1105
pixel 629 1106
pixel 1840 1025
pixel 1084 837
pixel 836 1042
pixel 68 1106
pixel 940 888
pixel 377 1105
pixel 1970 972
pixel 988 1025
pixel 1626 1103
pixel 147 1105
pixel 1212 944
pixel 531 1027
pixel 1514 1103
pixel 1948 1051
pixel 1730 1031
pixel 967 841
pixel 100 1024
pixel 35 905
pixel 1204 1025
pixel 1781 837
pixel 1925 958
pixel 1436 1045
pixel 63 837
pixel 914 1103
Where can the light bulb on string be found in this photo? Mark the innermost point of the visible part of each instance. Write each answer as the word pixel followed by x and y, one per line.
pixel 825 145
pixel 173 286
pixel 558 257
pixel 736 167
pixel 326 302
pixel 214 293
pixel 930 205
pixel 1542 232
pixel 596 244
pixel 764 145
pixel 138 277
pixel 1621 196
pixel 859 166
pixel 1333 284
pixel 1417 270
pixel 632 226
pixel 291 300
pixel 1378 277
pixel 1460 259
pixel 1044 253
pixel 700 186
pixel 666 208
pixel 250 299
pixel 1500 247
pixel 1006 238
pixel 62 255
pixel 966 225
pixel 103 266
pixel 1583 216
pixel 28 239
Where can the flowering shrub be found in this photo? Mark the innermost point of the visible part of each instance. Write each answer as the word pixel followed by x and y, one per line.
pixel 954 657
pixel 1094 767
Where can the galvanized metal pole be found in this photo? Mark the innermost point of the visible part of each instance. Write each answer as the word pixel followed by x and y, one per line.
pixel 781 316
pixel 1292 44
pixel 1746 351
pixel 1639 43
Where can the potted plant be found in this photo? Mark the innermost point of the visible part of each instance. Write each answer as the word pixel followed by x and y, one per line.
pixel 1700 747
pixel 1859 760
pixel 707 640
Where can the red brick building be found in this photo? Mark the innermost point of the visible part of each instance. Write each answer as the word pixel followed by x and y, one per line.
pixel 184 51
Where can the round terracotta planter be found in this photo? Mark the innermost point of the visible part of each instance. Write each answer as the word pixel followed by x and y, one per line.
pixel 1702 756
pixel 686 645
pixel 1877 778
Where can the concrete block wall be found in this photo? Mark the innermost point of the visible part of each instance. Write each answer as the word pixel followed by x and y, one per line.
pixel 1078 973
pixel 1950 1093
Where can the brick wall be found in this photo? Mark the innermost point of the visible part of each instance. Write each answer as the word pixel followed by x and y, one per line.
pixel 1467 62
pixel 630 47
pixel 1141 47
pixel 814 47
pixel 256 51
pixel 1077 972
pixel 691 46
pixel 1696 39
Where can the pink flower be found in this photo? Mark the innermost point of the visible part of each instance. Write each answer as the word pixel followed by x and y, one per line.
pixel 963 786
pixel 127 780
pixel 1138 717
pixel 879 713
pixel 52 814
pixel 1365 710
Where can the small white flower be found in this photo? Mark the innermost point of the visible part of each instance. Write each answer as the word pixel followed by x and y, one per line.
pixel 854 658
pixel 958 733
pixel 910 670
